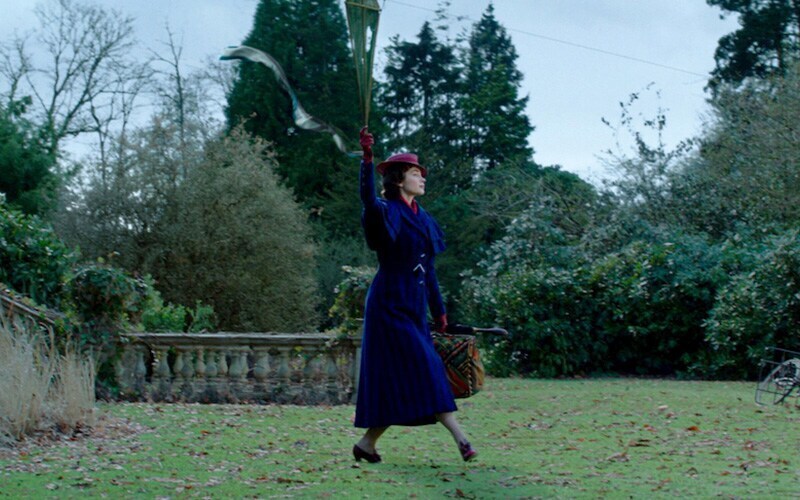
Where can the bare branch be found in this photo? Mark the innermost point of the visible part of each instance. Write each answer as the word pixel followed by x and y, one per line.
pixel 87 46
pixel 15 65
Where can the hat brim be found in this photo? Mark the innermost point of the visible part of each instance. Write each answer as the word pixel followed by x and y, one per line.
pixel 381 167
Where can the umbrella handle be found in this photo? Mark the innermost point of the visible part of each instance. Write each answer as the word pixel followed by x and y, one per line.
pixel 457 329
pixel 493 331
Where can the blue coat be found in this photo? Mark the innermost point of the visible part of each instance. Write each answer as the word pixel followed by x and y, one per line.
pixel 402 379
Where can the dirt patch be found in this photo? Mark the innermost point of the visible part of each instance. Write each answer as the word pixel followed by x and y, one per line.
pixel 109 435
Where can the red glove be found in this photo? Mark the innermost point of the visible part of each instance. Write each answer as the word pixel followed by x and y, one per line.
pixel 440 324
pixel 366 141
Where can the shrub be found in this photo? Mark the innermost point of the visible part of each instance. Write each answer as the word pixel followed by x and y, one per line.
pixel 759 307
pixel 544 311
pixel 338 253
pixel 530 282
pixel 106 300
pixel 351 297
pixel 159 316
pixel 33 261
pixel 202 318
pixel 242 243
pixel 164 318
pixel 651 299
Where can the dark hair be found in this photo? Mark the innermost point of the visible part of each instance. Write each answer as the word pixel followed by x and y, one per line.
pixel 392 176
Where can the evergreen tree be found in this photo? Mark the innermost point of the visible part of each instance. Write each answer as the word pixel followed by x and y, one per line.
pixel 26 168
pixel 459 110
pixel 496 125
pixel 309 39
pixel 766 42
pixel 419 102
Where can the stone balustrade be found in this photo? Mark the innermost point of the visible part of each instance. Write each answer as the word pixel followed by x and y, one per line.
pixel 14 313
pixel 309 368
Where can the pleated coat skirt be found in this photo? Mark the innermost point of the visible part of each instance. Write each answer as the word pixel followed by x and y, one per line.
pixel 402 379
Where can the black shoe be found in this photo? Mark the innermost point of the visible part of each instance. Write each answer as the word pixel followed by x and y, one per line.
pixel 372 458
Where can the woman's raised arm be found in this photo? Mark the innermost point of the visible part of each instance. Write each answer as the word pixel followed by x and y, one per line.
pixel 366 177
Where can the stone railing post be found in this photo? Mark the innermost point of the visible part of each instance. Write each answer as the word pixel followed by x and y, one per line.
pixel 283 375
pixel 177 367
pixel 261 371
pixel 355 360
pixel 186 387
pixel 309 372
pixel 332 375
pixel 161 387
pixel 140 369
pixel 200 364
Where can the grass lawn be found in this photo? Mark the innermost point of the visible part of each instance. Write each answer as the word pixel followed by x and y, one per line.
pixel 614 438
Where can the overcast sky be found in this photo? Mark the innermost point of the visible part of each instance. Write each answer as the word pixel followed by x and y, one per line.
pixel 579 58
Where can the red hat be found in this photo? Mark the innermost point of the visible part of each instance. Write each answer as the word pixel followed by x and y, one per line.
pixel 401 159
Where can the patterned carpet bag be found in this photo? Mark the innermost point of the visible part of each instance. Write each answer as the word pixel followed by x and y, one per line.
pixel 462 362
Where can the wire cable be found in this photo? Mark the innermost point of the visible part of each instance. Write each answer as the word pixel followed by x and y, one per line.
pixel 566 42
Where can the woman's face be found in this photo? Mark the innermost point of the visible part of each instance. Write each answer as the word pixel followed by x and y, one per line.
pixel 413 183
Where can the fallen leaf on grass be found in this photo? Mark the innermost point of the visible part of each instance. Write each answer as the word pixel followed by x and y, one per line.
pixel 286 480
pixel 693 428
pixel 661 484
pixel 752 445
pixel 618 457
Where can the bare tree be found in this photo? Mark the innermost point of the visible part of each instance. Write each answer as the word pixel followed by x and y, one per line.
pixel 88 80
pixel 182 99
pixel 14 66
pixel 219 77
pixel 128 201
pixel 111 117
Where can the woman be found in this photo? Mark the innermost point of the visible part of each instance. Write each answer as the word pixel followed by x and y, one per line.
pixel 402 379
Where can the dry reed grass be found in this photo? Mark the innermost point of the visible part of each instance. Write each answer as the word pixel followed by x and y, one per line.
pixel 41 388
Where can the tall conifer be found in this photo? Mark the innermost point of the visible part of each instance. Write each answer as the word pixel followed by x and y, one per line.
pixel 419 102
pixel 766 43
pixel 309 39
pixel 496 125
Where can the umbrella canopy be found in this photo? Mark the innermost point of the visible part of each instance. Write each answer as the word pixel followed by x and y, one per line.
pixel 362 19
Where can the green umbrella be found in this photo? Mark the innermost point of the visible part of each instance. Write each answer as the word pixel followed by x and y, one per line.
pixel 362 18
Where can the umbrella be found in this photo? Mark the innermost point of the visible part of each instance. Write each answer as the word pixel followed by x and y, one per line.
pixel 362 18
